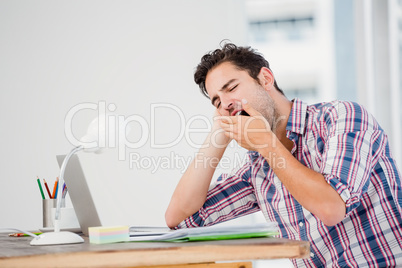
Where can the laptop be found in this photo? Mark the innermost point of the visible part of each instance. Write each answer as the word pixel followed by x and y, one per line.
pixel 102 197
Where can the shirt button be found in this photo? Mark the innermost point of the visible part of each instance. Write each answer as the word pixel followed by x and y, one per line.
pixel 312 255
pixel 301 224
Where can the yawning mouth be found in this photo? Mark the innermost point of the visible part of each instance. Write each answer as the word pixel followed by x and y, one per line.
pixel 241 112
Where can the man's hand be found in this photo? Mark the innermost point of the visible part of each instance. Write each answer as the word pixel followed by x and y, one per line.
pixel 218 137
pixel 251 132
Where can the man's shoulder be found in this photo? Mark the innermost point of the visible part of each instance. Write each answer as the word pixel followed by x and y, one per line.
pixel 347 115
pixel 337 108
pixel 336 105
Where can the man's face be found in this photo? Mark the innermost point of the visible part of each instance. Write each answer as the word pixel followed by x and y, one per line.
pixel 227 86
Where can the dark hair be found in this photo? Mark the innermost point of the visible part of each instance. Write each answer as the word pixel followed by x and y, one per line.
pixel 244 58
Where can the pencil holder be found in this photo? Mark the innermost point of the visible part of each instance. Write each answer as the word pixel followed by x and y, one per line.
pixel 68 218
pixel 48 206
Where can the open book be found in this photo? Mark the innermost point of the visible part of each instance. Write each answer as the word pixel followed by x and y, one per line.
pixel 215 232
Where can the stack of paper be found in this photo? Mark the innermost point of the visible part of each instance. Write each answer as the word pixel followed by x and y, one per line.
pixel 103 235
pixel 216 232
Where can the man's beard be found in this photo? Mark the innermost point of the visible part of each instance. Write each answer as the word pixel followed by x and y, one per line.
pixel 267 107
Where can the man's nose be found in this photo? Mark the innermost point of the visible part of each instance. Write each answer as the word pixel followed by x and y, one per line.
pixel 227 105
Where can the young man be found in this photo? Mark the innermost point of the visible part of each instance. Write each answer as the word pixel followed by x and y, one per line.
pixel 324 172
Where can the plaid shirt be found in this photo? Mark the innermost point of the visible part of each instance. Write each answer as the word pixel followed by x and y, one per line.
pixel 342 141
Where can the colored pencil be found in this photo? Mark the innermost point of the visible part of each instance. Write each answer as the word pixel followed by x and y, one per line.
pixel 40 188
pixel 47 189
pixel 21 234
pixel 55 188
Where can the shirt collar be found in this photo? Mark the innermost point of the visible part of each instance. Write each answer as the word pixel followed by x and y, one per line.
pixel 297 117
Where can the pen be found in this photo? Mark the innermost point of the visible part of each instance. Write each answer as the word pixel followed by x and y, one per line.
pixel 47 188
pixel 64 191
pixel 40 188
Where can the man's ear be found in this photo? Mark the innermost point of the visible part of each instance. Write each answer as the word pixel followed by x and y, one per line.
pixel 266 78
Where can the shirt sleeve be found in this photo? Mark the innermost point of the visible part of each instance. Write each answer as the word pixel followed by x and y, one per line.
pixel 230 197
pixel 351 151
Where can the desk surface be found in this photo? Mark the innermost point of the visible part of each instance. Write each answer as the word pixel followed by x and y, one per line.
pixel 17 252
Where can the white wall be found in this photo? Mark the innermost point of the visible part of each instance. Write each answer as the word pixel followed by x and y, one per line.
pixel 55 55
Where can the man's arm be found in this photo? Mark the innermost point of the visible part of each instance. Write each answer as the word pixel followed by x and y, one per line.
pixel 307 186
pixel 191 191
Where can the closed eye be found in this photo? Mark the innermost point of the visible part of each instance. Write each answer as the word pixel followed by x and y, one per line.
pixel 215 100
pixel 231 89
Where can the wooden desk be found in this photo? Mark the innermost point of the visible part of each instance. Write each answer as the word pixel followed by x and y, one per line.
pixel 17 252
